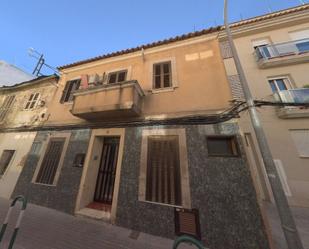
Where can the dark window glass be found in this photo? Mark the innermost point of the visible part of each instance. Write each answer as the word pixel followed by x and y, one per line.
pixel 273 86
pixel 162 75
pixel 158 69
pixel 50 161
pixel 112 78
pixel 166 68
pixel 303 46
pixel 281 84
pixel 166 80
pixel 5 160
pixel 222 146
pixel 69 89
pixel 117 77
pixel 157 81
pixel 121 76
pixel 163 170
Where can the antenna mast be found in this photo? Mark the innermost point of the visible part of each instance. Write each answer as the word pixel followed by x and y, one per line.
pixel 40 63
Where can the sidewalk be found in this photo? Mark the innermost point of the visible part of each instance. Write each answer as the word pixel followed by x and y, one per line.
pixel 43 228
pixel 301 216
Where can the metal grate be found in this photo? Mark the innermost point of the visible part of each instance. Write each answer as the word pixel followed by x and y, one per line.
pixel 106 176
pixel 163 170
pixel 187 222
pixel 51 161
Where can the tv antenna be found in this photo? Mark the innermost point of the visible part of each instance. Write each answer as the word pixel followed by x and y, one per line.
pixel 41 62
pixel 269 7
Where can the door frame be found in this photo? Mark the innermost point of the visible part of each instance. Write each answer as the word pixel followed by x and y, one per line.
pixel 100 171
pixel 96 135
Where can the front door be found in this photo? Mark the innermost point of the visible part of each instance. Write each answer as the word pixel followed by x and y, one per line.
pixel 107 171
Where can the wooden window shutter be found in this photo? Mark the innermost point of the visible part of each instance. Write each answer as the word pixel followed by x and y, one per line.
pixel 70 87
pixel 162 75
pixel 65 91
pixel 50 161
pixel 6 106
pixel 163 170
pixel 75 86
pixel 5 160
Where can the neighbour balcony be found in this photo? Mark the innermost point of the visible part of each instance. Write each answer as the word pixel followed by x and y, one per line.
pixel 300 95
pixel 108 101
pixel 281 54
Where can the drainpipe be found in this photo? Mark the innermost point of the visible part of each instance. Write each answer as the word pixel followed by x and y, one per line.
pixel 286 218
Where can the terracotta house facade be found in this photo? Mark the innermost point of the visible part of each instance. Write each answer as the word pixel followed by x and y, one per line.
pixel 134 138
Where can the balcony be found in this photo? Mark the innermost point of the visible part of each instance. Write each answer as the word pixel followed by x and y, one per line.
pixel 282 54
pixel 108 101
pixel 300 95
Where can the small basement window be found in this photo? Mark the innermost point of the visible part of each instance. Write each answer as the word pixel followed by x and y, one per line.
pixel 222 146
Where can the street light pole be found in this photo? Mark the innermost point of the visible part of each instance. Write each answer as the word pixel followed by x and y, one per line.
pixel 286 218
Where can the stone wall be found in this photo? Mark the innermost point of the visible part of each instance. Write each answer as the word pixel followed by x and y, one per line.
pixel 62 196
pixel 221 189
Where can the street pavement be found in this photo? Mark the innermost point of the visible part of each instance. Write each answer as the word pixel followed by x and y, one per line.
pixel 301 217
pixel 44 228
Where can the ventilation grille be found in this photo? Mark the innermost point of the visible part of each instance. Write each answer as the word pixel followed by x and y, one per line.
pixel 187 222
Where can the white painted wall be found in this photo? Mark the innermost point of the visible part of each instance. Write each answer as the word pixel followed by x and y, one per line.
pixel 20 142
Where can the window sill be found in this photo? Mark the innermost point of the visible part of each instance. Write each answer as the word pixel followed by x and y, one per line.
pixel 304 157
pixel 68 103
pixel 160 90
pixel 44 184
pixel 161 204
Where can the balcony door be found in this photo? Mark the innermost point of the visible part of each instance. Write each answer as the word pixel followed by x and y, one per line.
pixel 107 170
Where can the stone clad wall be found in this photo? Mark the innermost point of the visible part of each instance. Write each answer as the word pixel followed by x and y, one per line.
pixel 62 196
pixel 221 189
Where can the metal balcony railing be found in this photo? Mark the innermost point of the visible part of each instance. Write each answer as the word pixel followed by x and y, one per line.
pixel 266 52
pixel 300 95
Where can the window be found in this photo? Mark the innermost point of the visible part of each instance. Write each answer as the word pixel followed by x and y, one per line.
pixel 117 77
pixel 222 146
pixel 6 106
pixel 51 161
pixel 34 98
pixel 69 89
pixel 163 170
pixel 301 39
pixel 162 75
pixel 278 85
pixel 5 160
pixel 301 141
pixel 262 49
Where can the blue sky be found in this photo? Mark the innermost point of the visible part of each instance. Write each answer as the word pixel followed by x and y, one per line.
pixel 67 31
